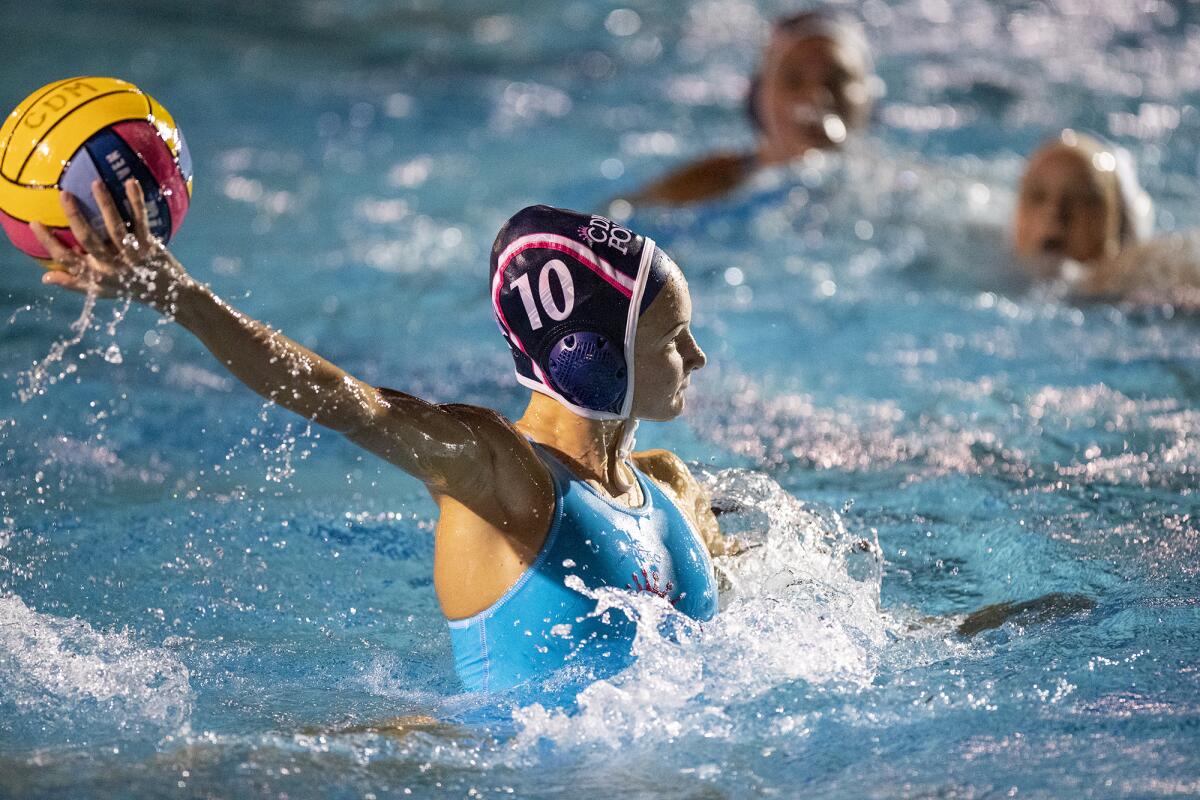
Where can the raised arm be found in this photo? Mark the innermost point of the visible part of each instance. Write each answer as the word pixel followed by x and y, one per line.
pixel 452 449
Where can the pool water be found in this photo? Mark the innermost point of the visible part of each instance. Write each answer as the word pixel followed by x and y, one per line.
pixel 204 597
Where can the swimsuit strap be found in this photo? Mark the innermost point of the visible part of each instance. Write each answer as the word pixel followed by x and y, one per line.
pixel 563 477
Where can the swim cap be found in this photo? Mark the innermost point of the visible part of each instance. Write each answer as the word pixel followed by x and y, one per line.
pixel 1137 208
pixel 567 290
pixel 829 23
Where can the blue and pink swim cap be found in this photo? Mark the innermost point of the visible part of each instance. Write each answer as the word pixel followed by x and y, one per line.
pixel 567 290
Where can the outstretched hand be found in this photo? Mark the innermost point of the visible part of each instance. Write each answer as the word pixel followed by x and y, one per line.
pixel 127 262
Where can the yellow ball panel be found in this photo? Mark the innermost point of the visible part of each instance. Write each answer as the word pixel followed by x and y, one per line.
pixel 51 155
pixel 42 112
pixel 18 113
pixel 28 203
pixel 165 124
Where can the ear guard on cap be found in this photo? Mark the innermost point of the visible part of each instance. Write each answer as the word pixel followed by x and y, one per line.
pixel 588 369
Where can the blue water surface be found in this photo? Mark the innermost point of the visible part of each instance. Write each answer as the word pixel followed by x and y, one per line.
pixel 201 596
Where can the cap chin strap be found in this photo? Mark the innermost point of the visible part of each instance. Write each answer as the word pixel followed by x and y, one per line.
pixel 624 455
pixel 625 446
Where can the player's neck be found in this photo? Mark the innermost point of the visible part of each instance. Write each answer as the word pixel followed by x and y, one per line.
pixel 592 444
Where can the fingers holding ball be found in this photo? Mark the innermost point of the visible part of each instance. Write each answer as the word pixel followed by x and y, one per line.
pixel 104 130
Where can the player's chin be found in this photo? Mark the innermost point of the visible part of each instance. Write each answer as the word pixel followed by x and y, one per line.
pixel 664 412
pixel 677 405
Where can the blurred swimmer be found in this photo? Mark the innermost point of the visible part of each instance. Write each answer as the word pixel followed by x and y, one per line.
pixel 815 88
pixel 1079 200
pixel 1083 218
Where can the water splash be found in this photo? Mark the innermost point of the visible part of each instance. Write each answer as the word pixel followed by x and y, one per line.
pixel 34 381
pixel 279 446
pixel 801 605
pixel 63 671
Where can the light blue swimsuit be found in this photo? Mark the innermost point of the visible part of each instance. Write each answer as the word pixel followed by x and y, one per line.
pixel 541 625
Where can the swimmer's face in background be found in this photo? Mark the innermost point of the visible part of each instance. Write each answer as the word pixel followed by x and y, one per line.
pixel 666 353
pixel 812 91
pixel 1068 206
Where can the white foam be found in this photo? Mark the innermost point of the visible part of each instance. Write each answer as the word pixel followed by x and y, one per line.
pixel 60 665
pixel 802 604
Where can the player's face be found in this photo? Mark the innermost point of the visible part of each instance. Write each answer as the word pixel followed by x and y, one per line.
pixel 1067 206
pixel 666 353
pixel 812 91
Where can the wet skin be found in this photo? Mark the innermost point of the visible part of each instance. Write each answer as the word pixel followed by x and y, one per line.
pixel 666 353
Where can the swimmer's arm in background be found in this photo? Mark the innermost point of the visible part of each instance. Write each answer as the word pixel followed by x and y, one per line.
pixel 706 179
pixel 454 450
pixel 1159 271
pixel 673 476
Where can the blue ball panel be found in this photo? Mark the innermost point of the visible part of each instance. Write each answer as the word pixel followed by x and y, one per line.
pixel 117 162
pixel 78 179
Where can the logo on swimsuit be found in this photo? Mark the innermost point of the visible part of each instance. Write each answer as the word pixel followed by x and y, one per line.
pixel 646 584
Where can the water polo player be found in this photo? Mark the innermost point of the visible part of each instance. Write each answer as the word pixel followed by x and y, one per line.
pixel 597 319
pixel 1083 218
pixel 1079 200
pixel 815 87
